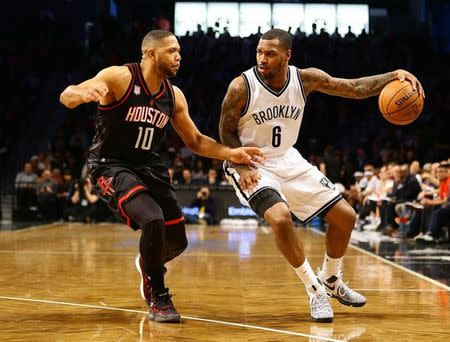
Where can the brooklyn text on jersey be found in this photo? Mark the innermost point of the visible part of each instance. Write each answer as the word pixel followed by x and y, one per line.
pixel 275 112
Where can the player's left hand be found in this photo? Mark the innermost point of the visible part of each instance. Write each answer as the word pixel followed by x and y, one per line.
pixel 248 177
pixel 247 155
pixel 405 75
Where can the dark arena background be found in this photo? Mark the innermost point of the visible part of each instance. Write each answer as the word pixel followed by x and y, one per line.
pixel 67 263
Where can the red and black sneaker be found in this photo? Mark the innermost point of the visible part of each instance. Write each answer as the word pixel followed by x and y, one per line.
pixel 162 308
pixel 145 286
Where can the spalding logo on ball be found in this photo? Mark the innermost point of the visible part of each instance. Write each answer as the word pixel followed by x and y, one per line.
pixel 399 103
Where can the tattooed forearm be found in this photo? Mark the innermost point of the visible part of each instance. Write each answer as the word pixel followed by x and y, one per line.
pixel 372 85
pixel 318 80
pixel 232 107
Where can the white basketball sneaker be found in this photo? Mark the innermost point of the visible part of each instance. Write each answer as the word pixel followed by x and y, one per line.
pixel 340 291
pixel 321 310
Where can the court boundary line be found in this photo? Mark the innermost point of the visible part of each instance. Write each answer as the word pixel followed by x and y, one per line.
pixel 391 263
pixel 240 325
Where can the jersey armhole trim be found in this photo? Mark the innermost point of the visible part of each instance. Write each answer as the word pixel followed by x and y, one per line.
pixel 172 93
pixel 249 95
pixel 124 96
pixel 297 71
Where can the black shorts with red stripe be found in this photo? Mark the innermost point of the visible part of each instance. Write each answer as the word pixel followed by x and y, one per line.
pixel 116 182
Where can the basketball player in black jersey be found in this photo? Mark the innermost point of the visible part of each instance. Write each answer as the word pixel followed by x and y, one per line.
pixel 135 104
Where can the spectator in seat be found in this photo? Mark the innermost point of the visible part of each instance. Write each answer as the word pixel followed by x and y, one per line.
pixel 26 190
pixel 422 219
pixel 212 179
pixel 186 178
pixel 206 208
pixel 439 219
pixel 406 188
pixel 46 196
pixel 83 202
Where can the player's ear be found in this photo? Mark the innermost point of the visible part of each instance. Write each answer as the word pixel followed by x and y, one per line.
pixel 151 52
pixel 288 55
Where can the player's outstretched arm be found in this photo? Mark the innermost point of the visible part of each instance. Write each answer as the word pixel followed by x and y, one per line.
pixel 359 88
pixel 96 89
pixel 204 145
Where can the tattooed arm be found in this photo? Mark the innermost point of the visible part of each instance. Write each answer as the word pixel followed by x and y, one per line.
pixel 232 107
pixel 359 88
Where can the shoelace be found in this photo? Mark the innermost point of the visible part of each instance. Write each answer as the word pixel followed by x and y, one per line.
pixel 346 290
pixel 321 301
pixel 164 301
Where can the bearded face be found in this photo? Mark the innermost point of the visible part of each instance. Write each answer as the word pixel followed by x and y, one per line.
pixel 167 57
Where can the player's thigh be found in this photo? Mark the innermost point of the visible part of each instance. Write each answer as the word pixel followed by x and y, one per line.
pixel 310 194
pixel 267 181
pixel 341 214
pixel 142 209
pixel 117 186
pixel 269 204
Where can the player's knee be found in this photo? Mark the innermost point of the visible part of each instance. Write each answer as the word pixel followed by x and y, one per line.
pixel 181 247
pixel 280 220
pixel 181 243
pixel 351 213
pixel 176 240
pixel 342 216
pixel 350 217
pixel 153 230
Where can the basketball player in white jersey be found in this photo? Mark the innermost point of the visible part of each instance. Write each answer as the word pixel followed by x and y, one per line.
pixel 264 108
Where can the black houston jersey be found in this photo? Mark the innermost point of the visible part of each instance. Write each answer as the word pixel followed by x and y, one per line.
pixel 134 126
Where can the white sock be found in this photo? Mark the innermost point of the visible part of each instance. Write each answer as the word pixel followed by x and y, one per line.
pixel 331 267
pixel 306 274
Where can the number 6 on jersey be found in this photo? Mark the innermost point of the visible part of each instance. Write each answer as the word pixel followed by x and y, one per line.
pixel 276 136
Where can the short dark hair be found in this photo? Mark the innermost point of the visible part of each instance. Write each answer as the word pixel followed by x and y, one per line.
pixel 155 35
pixel 283 36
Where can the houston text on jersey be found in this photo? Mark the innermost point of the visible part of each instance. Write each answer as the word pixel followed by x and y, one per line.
pixel 147 114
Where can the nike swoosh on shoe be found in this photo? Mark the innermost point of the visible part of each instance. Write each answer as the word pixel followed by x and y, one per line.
pixel 330 287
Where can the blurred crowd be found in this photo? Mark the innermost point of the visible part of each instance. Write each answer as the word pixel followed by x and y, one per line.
pixel 403 200
pixel 399 200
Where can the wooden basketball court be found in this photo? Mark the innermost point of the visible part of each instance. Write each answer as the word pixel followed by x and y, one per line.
pixel 74 282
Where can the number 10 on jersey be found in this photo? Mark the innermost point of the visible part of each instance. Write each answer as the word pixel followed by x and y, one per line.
pixel 145 138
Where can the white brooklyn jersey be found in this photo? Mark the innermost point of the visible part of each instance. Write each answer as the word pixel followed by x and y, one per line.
pixel 271 119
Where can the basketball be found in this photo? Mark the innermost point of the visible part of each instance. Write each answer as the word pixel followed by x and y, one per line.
pixel 399 103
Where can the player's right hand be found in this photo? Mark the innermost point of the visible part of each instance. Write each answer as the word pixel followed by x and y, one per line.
pixel 94 93
pixel 248 177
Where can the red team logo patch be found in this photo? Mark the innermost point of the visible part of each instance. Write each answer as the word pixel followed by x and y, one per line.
pixel 105 184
